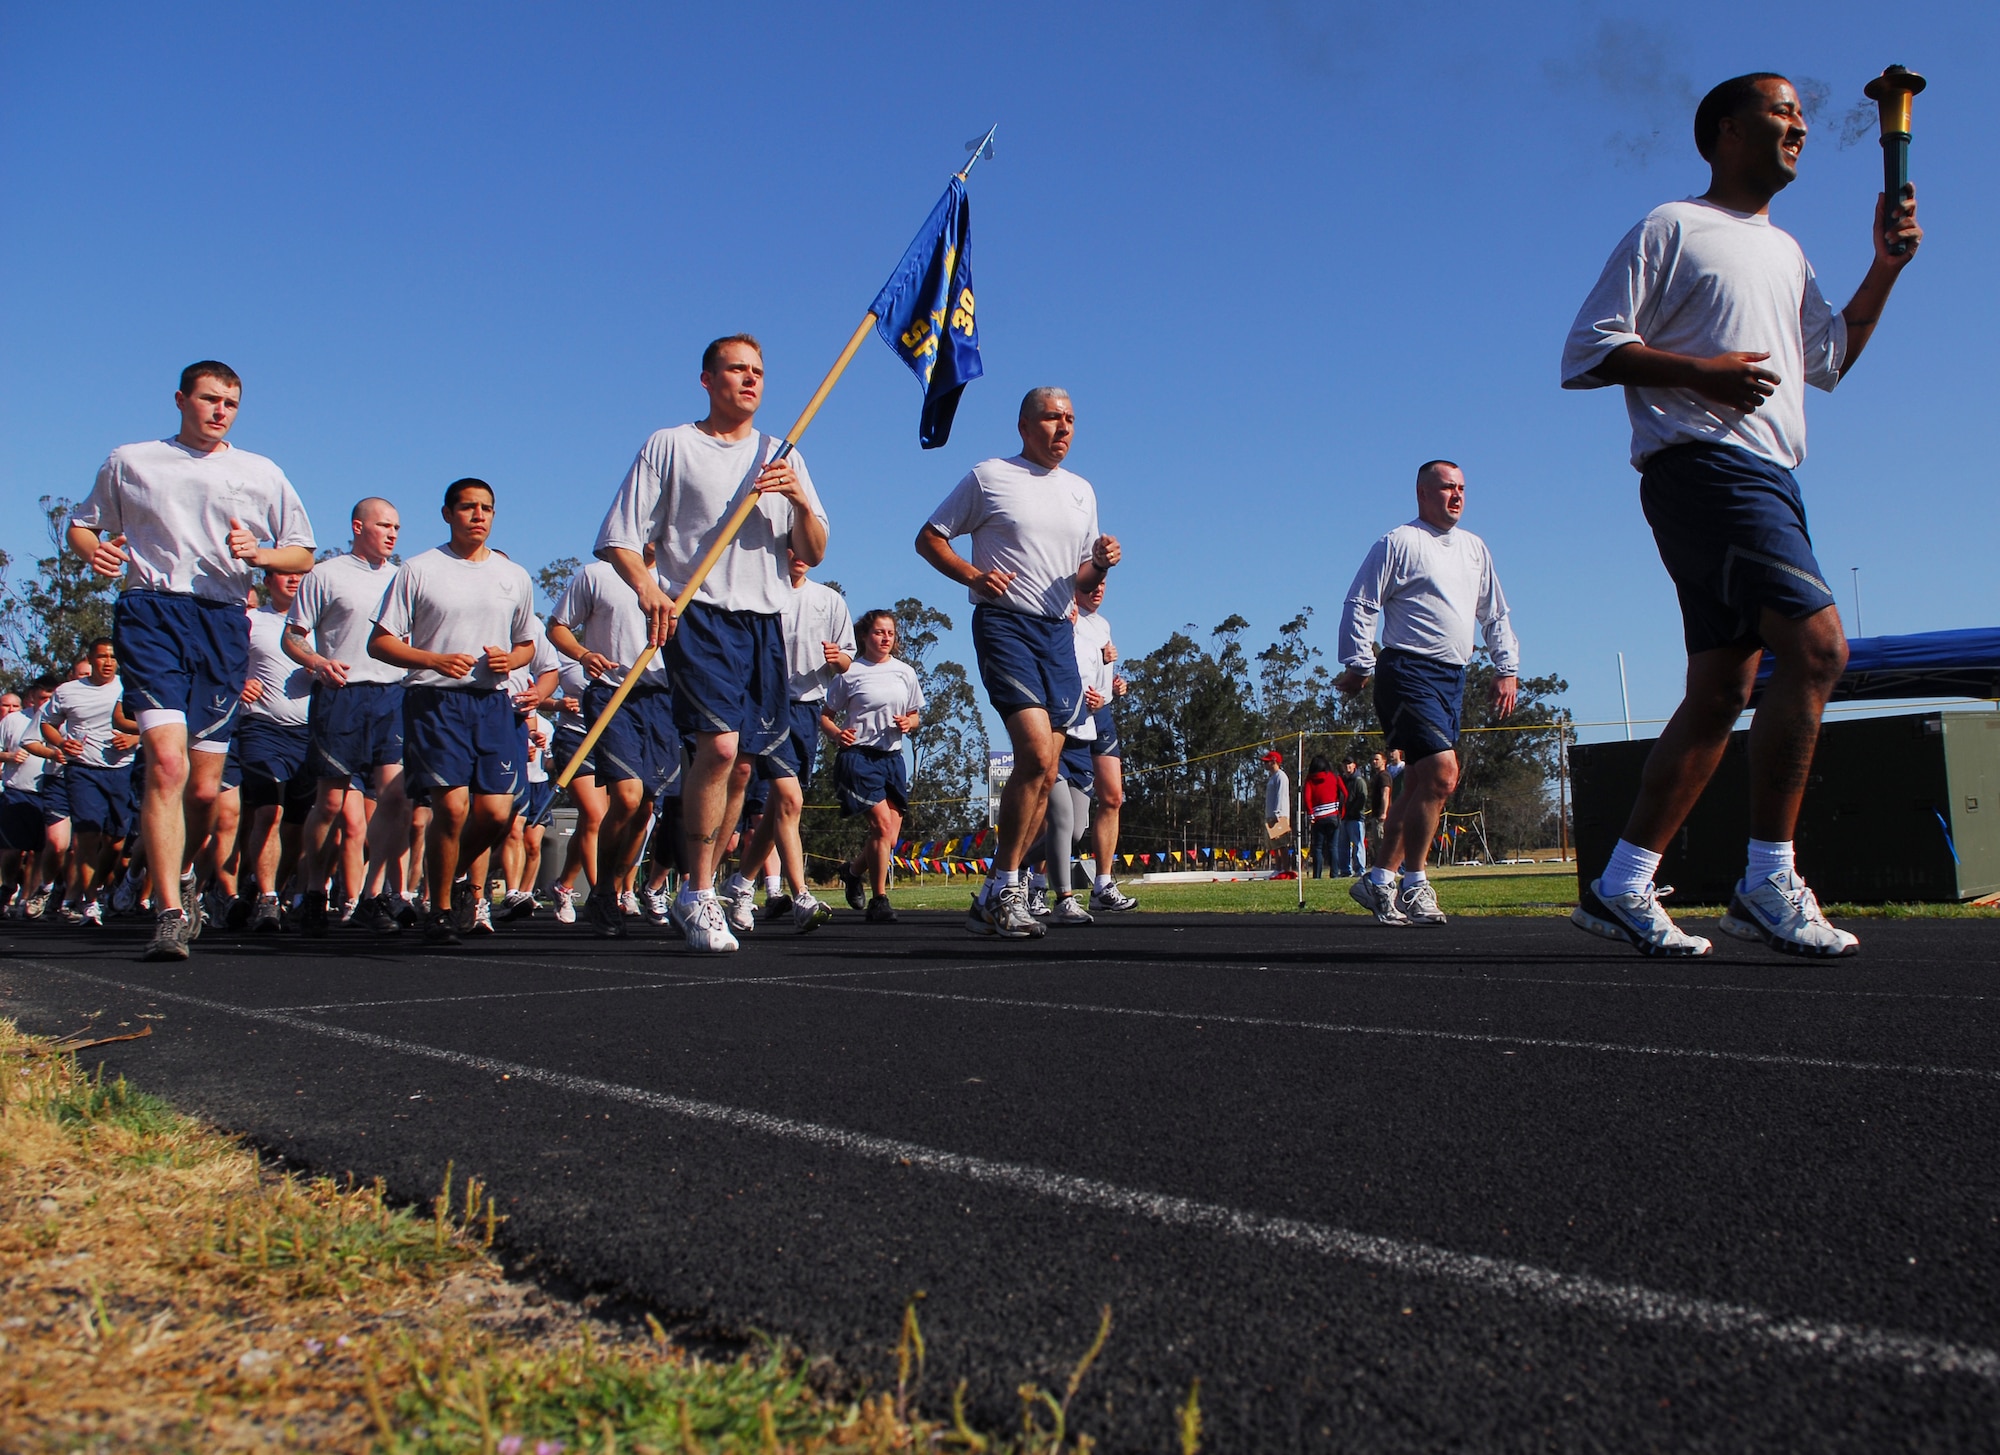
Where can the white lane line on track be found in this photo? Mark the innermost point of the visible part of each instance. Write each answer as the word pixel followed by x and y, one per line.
pixel 1754 1058
pixel 1915 1354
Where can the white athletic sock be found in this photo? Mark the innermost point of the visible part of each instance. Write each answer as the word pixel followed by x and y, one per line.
pixel 1379 875
pixel 1768 857
pixel 739 885
pixel 772 884
pixel 1106 883
pixel 1006 878
pixel 1629 871
pixel 1412 878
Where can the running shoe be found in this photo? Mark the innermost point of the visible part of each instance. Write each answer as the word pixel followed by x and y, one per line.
pixel 266 918
pixel 215 905
pixel 1637 919
pixel 678 912
pixel 93 915
pixel 1379 900
pixel 628 903
pixel 125 897
pixel 71 915
pixel 376 914
pixel 777 907
pixel 853 886
pixel 464 906
pixel 605 918
pixel 169 940
pixel 1038 901
pixel 565 905
pixel 1112 900
pixel 409 911
pixel 1419 904
pixel 977 920
pixel 880 911
pixel 347 913
pixel 807 914
pixel 659 906
pixel 1068 913
pixel 17 910
pixel 482 916
pixel 708 928
pixel 519 904
pixel 1782 912
pixel 1009 913
pixel 740 906
pixel 238 913
pixel 438 929
pixel 312 914
pixel 38 902
pixel 191 904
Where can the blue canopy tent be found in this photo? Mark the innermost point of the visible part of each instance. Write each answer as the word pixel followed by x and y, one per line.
pixel 1926 664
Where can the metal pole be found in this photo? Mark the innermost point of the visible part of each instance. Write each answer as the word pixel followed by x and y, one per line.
pixel 1625 696
pixel 1562 791
pixel 1857 600
pixel 1299 823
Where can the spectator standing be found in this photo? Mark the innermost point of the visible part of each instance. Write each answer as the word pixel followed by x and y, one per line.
pixel 1353 844
pixel 1277 807
pixel 1326 805
pixel 1375 812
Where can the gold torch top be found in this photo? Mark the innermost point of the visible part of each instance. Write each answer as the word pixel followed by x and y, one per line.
pixel 1891 92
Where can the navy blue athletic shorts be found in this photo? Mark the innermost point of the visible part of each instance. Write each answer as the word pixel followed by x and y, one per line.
pixel 183 654
pixel 1028 661
pixel 756 794
pixel 1106 745
pixel 535 803
pixel 639 742
pixel 1417 701
pixel 269 752
pixel 799 753
pixel 21 828
pixel 101 799
pixel 568 738
pixel 52 792
pixel 1731 528
pixel 355 728
pixel 863 777
pixel 1075 766
pixel 464 737
pixel 728 673
pixel 232 772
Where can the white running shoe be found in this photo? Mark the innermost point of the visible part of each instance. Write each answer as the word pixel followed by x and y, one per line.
pixel 1068 913
pixel 679 912
pixel 565 905
pixel 740 906
pixel 1379 900
pixel 1038 901
pixel 1008 911
pixel 1419 904
pixel 708 928
pixel 1782 912
pixel 1112 900
pixel 628 903
pixel 93 915
pixel 659 906
pixel 38 902
pixel 482 916
pixel 1637 919
pixel 808 914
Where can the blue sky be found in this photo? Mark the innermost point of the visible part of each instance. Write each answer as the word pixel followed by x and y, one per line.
pixel 1279 254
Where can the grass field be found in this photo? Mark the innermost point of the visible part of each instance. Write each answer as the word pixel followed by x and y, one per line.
pixel 1511 889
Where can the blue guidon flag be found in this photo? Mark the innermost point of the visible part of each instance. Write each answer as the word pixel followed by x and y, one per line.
pixel 924 312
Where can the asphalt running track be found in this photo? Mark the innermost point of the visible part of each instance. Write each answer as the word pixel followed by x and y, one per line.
pixel 1495 1186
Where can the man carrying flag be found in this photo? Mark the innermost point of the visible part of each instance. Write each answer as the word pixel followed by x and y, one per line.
pixel 726 655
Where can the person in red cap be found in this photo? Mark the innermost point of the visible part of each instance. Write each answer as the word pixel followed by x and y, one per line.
pixel 1278 809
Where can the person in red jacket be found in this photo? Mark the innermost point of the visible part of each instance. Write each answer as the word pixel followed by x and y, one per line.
pixel 1326 810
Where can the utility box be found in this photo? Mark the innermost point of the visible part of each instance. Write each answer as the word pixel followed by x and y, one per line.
pixel 1903 808
pixel 555 847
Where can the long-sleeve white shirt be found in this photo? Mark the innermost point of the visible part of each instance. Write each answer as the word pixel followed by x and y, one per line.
pixel 1427 587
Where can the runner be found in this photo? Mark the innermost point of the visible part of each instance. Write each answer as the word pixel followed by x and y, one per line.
pixel 356 724
pixel 458 619
pixel 1107 762
pixel 1428 582
pixel 871 709
pixel 22 764
pixel 585 797
pixel 180 520
pixel 726 655
pixel 529 687
pixel 1035 543
pixel 1068 812
pixel 271 748
pixel 599 624
pixel 97 766
pixel 1713 321
pixel 819 647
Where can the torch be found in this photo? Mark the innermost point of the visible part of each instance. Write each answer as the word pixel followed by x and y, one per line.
pixel 1891 92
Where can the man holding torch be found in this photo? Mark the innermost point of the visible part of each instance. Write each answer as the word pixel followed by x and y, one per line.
pixel 1711 319
pixel 726 655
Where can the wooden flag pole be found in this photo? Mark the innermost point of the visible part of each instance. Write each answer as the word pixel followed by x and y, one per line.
pixel 714 552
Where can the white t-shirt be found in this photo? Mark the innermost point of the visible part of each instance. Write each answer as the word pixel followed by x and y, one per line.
pixel 604 614
pixel 173 506
pixel 287 685
pixel 572 681
pixel 82 709
pixel 17 729
pixel 1039 524
pixel 546 659
pixel 1093 635
pixel 814 616
pixel 538 758
pixel 1698 279
pixel 336 607
pixel 1429 587
pixel 1277 796
pixel 441 602
pixel 870 696
pixel 680 492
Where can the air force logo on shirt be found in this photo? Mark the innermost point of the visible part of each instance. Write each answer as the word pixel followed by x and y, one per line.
pixel 1076 498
